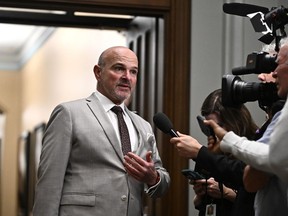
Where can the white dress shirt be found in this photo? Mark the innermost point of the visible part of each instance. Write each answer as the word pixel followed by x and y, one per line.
pixel 107 105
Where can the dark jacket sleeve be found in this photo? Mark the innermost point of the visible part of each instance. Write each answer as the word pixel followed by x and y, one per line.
pixel 224 169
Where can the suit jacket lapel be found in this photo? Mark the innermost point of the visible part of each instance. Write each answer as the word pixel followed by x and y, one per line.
pixel 102 118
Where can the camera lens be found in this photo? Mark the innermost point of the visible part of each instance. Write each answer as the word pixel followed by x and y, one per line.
pixel 236 92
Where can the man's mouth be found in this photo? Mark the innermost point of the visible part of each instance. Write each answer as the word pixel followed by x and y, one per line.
pixel 126 86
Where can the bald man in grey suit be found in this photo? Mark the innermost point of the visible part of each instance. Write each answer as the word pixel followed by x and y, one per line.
pixel 82 169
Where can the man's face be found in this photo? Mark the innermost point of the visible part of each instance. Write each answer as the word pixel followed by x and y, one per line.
pixel 281 72
pixel 118 77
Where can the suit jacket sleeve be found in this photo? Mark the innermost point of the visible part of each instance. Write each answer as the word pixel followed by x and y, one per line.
pixel 54 158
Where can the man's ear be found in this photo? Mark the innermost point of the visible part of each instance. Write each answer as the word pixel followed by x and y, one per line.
pixel 97 71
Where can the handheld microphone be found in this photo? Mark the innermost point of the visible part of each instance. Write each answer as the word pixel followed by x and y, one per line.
pixel 164 124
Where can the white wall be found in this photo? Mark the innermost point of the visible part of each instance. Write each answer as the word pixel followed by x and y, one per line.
pixel 219 42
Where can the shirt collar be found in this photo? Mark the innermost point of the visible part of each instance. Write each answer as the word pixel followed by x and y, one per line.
pixel 106 102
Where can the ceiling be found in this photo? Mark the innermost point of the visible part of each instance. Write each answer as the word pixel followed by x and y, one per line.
pixel 19 42
pixel 23 31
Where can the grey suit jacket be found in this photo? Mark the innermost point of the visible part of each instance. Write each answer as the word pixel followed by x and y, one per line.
pixel 81 168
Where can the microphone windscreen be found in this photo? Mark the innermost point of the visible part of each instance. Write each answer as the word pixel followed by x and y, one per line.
pixel 242 9
pixel 162 122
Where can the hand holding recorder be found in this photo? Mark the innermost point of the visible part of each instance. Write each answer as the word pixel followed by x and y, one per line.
pixel 206 129
pixel 192 175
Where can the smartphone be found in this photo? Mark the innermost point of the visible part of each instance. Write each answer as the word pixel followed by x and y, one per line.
pixel 206 129
pixel 192 175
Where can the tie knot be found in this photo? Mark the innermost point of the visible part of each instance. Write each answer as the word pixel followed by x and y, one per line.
pixel 117 109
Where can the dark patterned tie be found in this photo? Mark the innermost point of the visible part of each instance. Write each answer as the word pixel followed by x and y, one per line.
pixel 124 134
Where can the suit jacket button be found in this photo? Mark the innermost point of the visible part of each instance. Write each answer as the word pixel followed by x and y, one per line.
pixel 123 198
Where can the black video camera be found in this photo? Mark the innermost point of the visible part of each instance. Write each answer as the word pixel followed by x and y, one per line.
pixel 256 63
pixel 236 92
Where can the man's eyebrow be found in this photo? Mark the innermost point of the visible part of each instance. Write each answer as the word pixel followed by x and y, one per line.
pixel 123 65
pixel 118 64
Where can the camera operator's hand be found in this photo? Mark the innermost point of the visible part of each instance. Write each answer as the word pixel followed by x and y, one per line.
pixel 213 145
pixel 219 131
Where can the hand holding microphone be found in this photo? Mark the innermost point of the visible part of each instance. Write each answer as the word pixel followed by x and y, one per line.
pixel 186 145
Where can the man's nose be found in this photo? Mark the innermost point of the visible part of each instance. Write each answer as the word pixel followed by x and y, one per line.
pixel 126 74
pixel 274 74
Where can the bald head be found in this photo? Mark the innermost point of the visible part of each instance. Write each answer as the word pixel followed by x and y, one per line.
pixel 116 73
pixel 113 51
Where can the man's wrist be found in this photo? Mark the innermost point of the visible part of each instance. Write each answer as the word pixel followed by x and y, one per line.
pixel 229 194
pixel 156 180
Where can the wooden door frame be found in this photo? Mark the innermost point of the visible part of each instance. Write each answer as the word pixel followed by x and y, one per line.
pixel 177 37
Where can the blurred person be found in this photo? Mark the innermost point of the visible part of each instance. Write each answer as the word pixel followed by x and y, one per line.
pixel 83 170
pixel 271 192
pixel 251 174
pixel 271 158
pixel 225 191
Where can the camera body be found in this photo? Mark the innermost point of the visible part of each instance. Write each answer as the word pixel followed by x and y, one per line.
pixel 235 91
pixel 261 62
pixel 256 63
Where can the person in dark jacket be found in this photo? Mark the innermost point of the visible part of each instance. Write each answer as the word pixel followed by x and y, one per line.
pixel 223 188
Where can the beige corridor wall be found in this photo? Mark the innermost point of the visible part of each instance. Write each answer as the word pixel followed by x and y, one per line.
pixel 61 70
pixel 10 88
